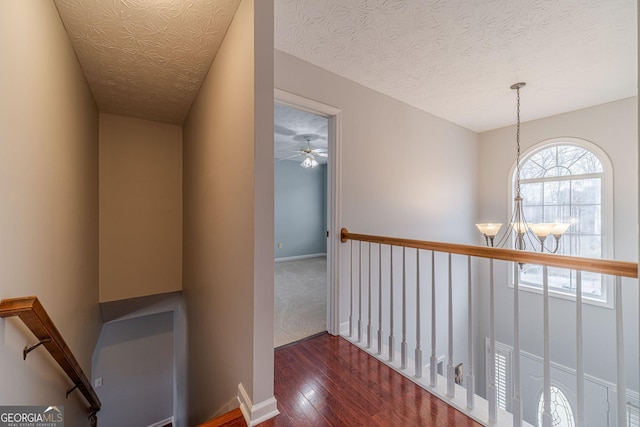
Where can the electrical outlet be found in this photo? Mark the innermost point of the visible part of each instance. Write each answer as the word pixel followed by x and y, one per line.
pixel 98 382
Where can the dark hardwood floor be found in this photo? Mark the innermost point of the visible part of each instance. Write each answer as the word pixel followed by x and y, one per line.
pixel 326 381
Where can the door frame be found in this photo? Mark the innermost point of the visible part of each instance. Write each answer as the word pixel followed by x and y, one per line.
pixel 333 195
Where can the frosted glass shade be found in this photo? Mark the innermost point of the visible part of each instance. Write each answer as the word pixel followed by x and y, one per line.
pixel 489 229
pixel 520 227
pixel 309 162
pixel 559 228
pixel 542 229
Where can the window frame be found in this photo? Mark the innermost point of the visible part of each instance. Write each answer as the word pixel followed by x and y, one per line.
pixel 607 226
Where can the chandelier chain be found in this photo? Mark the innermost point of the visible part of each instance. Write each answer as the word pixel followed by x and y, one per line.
pixel 518 141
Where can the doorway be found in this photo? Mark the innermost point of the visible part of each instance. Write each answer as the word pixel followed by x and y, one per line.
pixel 306 239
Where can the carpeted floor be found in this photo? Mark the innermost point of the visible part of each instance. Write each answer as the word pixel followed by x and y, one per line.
pixel 300 299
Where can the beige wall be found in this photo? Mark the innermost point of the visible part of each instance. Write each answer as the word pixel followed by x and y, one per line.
pixel 228 219
pixel 49 203
pixel 140 207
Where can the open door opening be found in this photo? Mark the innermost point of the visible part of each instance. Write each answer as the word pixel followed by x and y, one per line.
pixel 305 218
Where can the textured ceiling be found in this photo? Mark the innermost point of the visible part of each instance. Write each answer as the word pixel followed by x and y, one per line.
pixel 457 58
pixel 453 58
pixel 292 127
pixel 146 58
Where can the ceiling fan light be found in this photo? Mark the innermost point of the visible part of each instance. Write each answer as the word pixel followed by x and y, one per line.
pixel 309 162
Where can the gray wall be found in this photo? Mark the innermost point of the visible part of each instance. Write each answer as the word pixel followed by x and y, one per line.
pixel 404 173
pixel 49 204
pixel 134 358
pixel 300 209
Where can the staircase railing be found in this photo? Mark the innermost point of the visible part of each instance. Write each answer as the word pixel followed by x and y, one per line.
pixel 34 316
pixel 375 319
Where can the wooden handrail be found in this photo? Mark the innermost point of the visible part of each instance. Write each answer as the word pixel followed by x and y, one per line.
pixel 602 266
pixel 34 316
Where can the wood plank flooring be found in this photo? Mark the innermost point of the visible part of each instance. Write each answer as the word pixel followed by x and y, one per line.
pixel 326 381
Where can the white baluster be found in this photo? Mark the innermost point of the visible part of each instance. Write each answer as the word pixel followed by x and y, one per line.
pixel 379 298
pixel 492 396
pixel 359 291
pixel 579 353
pixel 418 356
pixel 451 385
pixel 546 412
pixel 516 402
pixel 471 402
pixel 621 387
pixel 433 361
pixel 403 344
pixel 392 340
pixel 351 291
pixel 369 311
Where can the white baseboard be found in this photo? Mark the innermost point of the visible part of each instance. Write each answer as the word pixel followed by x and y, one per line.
pixel 293 258
pixel 162 423
pixel 258 413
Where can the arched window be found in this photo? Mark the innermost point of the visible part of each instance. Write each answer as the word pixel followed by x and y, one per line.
pixel 568 180
pixel 561 412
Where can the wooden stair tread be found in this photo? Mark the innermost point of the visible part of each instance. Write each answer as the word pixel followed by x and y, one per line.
pixel 230 419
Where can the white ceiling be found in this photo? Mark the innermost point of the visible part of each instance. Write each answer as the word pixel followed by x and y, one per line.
pixel 453 58
pixel 146 58
pixel 293 127
pixel 458 58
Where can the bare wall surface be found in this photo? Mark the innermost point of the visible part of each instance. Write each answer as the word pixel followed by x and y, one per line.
pixel 612 127
pixel 228 223
pixel 300 209
pixel 140 207
pixel 49 205
pixel 134 358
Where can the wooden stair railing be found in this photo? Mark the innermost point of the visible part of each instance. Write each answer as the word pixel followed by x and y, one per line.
pixel 602 266
pixel 34 316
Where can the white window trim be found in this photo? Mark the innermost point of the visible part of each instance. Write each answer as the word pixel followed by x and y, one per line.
pixel 607 216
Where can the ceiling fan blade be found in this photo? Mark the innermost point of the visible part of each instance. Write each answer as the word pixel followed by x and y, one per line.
pixel 290 157
pixel 322 154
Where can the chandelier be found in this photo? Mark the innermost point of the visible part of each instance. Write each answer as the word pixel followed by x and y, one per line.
pixel 523 231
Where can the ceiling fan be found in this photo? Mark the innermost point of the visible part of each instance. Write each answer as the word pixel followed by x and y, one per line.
pixel 307 152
